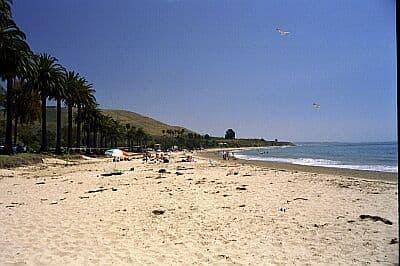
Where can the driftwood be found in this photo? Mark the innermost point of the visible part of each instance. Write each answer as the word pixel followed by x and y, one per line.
pixel 112 173
pixel 97 190
pixel 375 218
pixel 300 199
pixel 184 168
pixel 320 225
pixel 296 199
pixel 158 212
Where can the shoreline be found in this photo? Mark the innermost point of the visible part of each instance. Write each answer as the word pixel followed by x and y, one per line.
pixel 362 174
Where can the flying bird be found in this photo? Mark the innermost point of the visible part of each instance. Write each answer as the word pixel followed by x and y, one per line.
pixel 316 105
pixel 281 32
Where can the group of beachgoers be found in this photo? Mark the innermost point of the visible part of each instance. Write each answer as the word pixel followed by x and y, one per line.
pixel 227 155
pixel 159 157
pixel 121 158
pixel 147 157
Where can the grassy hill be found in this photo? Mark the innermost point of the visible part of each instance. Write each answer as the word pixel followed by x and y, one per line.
pixel 150 125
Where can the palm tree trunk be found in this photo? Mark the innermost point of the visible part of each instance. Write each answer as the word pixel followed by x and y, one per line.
pixel 43 147
pixel 88 138
pixel 15 129
pixel 9 100
pixel 58 140
pixel 100 139
pixel 94 136
pixel 78 127
pixel 69 144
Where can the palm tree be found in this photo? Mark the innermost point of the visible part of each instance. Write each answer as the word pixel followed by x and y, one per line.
pixel 114 132
pixel 85 97
pixel 89 117
pixel 131 136
pixel 140 136
pixel 26 107
pixel 14 57
pixel 59 95
pixel 104 129
pixel 97 118
pixel 48 80
pixel 108 131
pixel 71 85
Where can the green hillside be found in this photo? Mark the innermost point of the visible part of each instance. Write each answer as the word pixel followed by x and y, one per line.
pixel 150 125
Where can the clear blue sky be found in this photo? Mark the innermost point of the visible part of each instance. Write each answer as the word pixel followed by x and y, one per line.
pixel 209 65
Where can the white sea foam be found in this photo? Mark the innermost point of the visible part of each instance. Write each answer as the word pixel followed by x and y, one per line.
pixel 321 163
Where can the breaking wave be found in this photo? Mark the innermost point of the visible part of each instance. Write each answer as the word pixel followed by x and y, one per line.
pixel 321 163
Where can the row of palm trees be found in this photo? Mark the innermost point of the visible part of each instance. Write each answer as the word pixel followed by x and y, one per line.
pixel 33 79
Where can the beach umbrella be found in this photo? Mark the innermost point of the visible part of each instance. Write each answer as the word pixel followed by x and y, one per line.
pixel 114 152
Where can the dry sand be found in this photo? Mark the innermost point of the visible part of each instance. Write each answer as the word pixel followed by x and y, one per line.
pixel 205 212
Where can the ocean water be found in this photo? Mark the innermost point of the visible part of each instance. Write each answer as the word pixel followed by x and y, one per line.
pixel 377 156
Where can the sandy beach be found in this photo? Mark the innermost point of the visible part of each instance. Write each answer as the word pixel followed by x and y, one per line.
pixel 207 212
